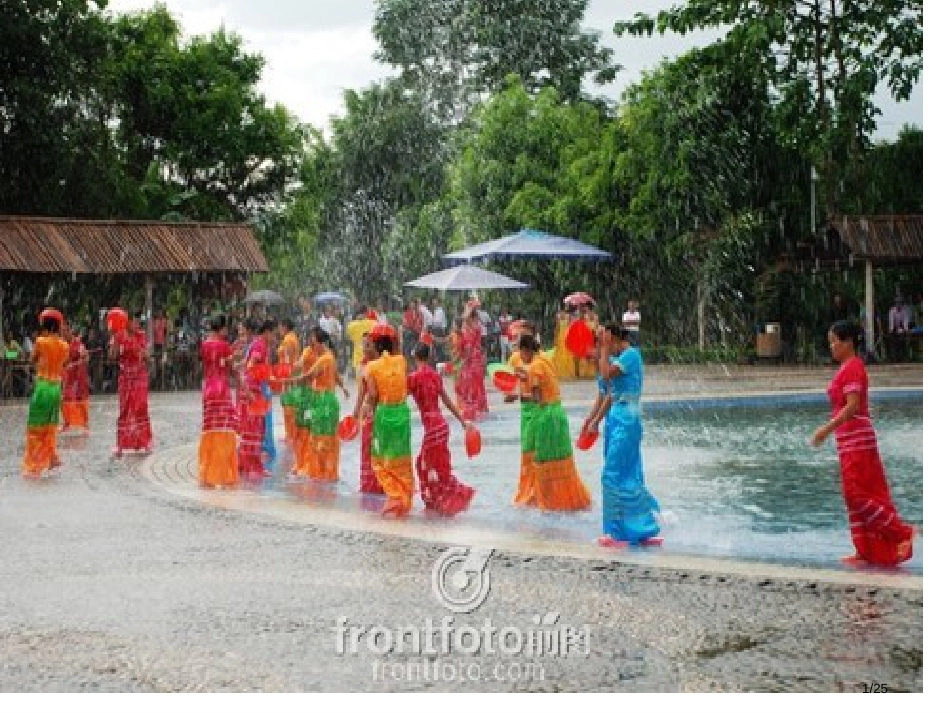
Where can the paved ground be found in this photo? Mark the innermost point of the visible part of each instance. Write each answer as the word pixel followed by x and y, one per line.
pixel 115 576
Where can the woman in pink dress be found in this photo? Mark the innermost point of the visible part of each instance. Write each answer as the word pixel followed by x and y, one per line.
pixel 441 491
pixel 470 385
pixel 130 347
pixel 252 419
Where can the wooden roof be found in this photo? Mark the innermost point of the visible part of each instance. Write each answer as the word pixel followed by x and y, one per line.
pixel 66 245
pixel 881 238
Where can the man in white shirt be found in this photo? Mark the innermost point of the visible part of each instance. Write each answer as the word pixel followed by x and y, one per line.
pixel 437 326
pixel 898 326
pixel 631 320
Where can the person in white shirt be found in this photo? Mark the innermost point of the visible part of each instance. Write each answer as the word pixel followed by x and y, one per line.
pixel 438 327
pixel 631 320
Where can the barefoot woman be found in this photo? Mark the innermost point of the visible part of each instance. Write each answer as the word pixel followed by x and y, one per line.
pixel 880 536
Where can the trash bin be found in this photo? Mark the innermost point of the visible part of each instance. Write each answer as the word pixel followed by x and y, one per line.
pixel 768 344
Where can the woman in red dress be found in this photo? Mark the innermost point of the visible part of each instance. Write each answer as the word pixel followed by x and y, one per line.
pixel 470 386
pixel 76 384
pixel 441 491
pixel 252 419
pixel 130 347
pixel 880 536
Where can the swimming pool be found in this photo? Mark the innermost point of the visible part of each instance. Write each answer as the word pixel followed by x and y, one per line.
pixel 735 477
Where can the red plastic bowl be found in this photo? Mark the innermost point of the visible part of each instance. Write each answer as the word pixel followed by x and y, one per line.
pixel 260 372
pixel 117 319
pixel 505 381
pixel 259 406
pixel 579 340
pixel 50 313
pixel 473 442
pixel 586 440
pixel 347 428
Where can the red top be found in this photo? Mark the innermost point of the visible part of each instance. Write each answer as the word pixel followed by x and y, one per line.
pixel 856 434
pixel 425 385
pixel 215 355
pixel 132 348
pixel 412 319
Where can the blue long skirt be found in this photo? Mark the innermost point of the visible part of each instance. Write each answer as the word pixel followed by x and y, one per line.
pixel 629 508
pixel 270 445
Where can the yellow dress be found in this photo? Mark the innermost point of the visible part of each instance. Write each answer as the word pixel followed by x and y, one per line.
pixel 564 363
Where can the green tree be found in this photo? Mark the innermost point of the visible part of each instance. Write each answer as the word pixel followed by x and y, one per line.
pixel 824 58
pixel 459 51
pixel 196 131
pixel 56 152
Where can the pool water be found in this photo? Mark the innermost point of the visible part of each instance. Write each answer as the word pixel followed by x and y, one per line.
pixel 732 480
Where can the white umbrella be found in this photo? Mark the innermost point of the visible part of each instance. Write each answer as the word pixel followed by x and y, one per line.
pixel 466 277
pixel 264 297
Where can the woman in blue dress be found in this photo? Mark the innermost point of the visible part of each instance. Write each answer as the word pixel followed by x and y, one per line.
pixel 629 509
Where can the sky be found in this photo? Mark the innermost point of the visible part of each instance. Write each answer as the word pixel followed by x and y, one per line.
pixel 317 48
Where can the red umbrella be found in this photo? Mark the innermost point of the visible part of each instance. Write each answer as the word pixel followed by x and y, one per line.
pixel 576 299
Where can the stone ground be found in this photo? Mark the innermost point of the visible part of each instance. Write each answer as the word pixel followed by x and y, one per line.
pixel 112 578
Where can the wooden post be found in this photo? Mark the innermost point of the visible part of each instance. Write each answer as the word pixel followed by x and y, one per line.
pixel 149 285
pixel 869 306
pixel 700 309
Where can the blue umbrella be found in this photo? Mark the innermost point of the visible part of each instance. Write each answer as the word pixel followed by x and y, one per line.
pixel 529 244
pixel 330 297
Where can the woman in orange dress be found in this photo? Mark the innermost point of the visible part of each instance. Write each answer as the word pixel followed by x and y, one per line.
pixel 386 392
pixel 526 495
pixel 565 365
pixel 49 356
pixel 76 384
pixel 559 487
pixel 218 448
pixel 879 535
pixel 134 432
pixel 323 456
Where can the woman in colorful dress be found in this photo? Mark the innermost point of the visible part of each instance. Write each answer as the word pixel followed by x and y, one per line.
pixel 526 496
pixel 303 402
pixel 565 364
pixel 470 384
pixel 218 448
pixel 879 535
pixel 629 509
pixel 288 353
pixel 76 384
pixel 49 356
pixel 558 487
pixel 250 413
pixel 323 457
pixel 441 491
pixel 386 391
pixel 369 483
pixel 130 347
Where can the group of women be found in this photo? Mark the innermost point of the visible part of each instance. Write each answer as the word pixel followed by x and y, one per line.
pixel 61 390
pixel 234 430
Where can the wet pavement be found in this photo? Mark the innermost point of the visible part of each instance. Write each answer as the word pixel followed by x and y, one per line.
pixel 121 575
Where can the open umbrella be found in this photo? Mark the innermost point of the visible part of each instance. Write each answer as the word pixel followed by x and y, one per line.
pixel 330 297
pixel 466 277
pixel 577 299
pixel 263 297
pixel 529 244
